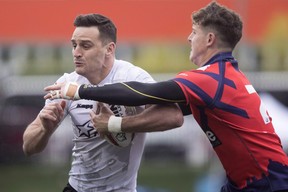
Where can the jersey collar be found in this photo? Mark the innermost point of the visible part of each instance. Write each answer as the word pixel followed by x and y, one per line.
pixel 225 56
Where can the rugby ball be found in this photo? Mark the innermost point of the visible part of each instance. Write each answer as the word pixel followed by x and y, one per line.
pixel 120 139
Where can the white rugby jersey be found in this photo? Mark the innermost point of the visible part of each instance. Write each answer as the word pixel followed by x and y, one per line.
pixel 98 166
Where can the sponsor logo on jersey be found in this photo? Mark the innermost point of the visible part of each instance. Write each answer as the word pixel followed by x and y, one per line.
pixel 212 138
pixel 84 106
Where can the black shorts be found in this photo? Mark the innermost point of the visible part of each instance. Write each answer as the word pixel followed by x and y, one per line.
pixel 69 188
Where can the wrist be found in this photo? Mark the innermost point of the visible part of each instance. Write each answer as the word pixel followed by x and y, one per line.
pixel 76 95
pixel 114 124
pixel 71 91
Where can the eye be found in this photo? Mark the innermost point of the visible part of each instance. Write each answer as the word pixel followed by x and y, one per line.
pixel 86 46
pixel 74 45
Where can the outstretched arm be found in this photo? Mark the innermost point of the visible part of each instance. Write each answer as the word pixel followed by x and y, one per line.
pixel 128 93
pixel 154 118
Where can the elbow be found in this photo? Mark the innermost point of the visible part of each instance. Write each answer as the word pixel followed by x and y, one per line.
pixel 26 151
pixel 29 152
pixel 178 119
pixel 25 147
pixel 174 116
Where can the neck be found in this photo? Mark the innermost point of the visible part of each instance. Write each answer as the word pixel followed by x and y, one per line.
pixel 101 74
pixel 210 54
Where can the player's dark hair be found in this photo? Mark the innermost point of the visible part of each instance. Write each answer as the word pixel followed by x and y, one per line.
pixel 107 29
pixel 225 22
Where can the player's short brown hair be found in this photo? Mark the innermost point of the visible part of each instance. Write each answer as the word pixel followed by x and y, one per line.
pixel 226 23
pixel 107 29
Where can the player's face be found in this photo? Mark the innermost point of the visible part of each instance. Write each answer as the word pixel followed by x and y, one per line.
pixel 197 39
pixel 88 51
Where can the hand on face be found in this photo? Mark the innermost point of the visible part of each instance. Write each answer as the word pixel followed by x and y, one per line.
pixel 100 118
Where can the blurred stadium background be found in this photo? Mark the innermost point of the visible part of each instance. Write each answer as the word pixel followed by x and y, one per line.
pixel 35 50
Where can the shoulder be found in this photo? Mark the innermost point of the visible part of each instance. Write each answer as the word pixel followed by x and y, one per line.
pixel 201 71
pixel 206 76
pixel 73 77
pixel 125 65
pixel 129 72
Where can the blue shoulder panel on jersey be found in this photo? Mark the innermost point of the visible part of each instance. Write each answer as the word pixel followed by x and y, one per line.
pixel 196 89
pixel 215 76
pixel 210 102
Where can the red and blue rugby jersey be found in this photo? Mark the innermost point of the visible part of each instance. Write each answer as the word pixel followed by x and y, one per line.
pixel 230 112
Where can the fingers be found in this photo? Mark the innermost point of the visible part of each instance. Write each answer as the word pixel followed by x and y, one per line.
pixel 54 91
pixel 53 95
pixel 100 118
pixel 94 120
pixel 99 108
pixel 66 90
pixel 51 115
pixel 103 108
pixel 63 104
pixel 53 112
pixel 53 87
pixel 92 115
pixel 47 96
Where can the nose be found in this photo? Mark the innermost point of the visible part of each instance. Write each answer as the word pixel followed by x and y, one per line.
pixel 76 52
pixel 189 38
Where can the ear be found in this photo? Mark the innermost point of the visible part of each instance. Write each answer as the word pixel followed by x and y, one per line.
pixel 211 38
pixel 110 48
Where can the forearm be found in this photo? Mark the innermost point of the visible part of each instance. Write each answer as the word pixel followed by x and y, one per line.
pixel 35 138
pixel 155 118
pixel 134 93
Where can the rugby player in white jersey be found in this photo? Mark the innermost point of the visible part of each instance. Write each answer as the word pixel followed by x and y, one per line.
pixel 97 165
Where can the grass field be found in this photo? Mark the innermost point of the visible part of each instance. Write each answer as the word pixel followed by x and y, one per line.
pixel 171 177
